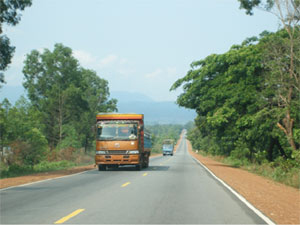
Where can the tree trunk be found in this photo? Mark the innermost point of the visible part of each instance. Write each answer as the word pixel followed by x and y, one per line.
pixel 282 152
pixel 60 114
pixel 288 130
pixel 86 144
pixel 60 119
pixel 270 149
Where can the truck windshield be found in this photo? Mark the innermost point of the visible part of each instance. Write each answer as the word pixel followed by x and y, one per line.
pixel 116 131
pixel 168 147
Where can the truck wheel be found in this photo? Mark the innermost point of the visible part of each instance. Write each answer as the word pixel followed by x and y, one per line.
pixel 138 167
pixel 101 167
pixel 146 163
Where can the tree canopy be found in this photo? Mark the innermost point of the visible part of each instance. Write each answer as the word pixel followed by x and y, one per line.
pixel 238 98
pixel 65 92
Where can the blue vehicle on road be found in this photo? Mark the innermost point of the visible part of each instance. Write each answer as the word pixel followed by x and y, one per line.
pixel 168 147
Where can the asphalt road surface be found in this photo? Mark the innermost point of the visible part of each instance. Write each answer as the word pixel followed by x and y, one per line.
pixel 173 190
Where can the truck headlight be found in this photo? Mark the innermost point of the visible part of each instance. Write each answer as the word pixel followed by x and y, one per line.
pixel 100 152
pixel 133 152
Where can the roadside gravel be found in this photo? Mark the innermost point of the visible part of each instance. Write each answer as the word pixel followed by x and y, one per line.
pixel 279 202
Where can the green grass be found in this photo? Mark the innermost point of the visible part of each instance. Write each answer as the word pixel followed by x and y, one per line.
pixel 290 177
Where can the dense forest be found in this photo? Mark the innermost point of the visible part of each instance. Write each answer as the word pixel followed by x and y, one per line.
pixel 247 99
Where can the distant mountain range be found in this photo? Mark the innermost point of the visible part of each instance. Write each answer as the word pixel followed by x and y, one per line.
pixel 154 112
pixel 129 102
pixel 124 96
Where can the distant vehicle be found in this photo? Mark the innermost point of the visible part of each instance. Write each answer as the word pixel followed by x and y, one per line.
pixel 122 140
pixel 168 147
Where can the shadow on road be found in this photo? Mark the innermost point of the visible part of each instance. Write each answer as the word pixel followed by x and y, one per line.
pixel 133 169
pixel 157 168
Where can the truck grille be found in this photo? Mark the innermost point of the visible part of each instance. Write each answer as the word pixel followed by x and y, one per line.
pixel 117 152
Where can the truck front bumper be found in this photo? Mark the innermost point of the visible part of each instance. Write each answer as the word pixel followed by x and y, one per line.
pixel 167 153
pixel 117 159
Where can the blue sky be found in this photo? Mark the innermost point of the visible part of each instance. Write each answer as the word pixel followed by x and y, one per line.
pixel 140 46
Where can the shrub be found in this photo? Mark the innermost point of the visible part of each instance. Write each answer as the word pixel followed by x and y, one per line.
pixel 51 166
pixel 38 147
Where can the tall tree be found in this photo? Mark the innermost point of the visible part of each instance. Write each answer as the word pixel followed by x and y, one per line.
pixel 9 15
pixel 287 77
pixel 97 97
pixel 224 91
pixel 64 92
pixel 236 99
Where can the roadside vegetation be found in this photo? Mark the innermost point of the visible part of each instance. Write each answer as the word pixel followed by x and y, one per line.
pixel 53 127
pixel 247 99
pixel 65 159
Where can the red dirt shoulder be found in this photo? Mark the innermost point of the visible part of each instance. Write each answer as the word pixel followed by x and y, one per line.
pixel 279 202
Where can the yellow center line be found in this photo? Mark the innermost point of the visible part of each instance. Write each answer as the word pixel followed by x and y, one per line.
pixel 64 219
pixel 124 185
pixel 145 174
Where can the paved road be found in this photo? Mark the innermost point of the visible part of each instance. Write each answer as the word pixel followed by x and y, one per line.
pixel 173 190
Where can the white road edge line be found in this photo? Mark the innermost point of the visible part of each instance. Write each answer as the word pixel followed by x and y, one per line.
pixel 40 181
pixel 240 197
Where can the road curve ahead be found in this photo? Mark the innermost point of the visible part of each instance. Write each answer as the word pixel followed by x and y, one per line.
pixel 173 190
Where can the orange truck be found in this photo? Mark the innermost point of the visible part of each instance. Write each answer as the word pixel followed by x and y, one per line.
pixel 122 140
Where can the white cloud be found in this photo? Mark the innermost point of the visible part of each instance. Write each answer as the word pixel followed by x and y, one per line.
pixel 111 62
pixel 84 58
pixel 166 73
pixel 154 74
pixel 108 60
